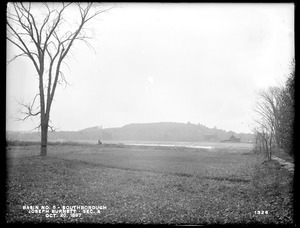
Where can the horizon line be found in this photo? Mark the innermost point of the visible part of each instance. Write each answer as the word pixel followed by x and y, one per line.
pixel 101 127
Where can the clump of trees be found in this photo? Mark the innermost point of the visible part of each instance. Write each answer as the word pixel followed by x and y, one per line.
pixel 275 120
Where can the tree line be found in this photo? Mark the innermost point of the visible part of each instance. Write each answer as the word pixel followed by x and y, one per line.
pixel 275 109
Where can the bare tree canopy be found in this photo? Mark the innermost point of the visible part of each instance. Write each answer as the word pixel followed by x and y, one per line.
pixel 45 33
pixel 275 109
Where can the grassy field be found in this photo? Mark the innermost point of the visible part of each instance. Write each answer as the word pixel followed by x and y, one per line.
pixel 147 185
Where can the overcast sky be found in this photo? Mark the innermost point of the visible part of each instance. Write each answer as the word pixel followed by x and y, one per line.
pixel 201 63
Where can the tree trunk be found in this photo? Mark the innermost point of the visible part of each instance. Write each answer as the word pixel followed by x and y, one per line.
pixel 266 148
pixel 260 146
pixel 270 150
pixel 44 137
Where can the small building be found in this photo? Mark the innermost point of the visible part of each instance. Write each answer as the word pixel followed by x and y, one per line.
pixel 232 139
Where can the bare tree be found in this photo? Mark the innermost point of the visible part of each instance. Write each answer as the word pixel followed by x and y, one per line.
pixel 267 130
pixel 42 33
pixel 263 140
pixel 268 108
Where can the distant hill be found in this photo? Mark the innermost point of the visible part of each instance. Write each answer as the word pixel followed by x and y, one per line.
pixel 164 131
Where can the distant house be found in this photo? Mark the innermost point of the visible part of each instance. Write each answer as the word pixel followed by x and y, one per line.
pixel 232 139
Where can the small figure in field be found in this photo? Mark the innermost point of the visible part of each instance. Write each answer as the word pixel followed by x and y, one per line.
pixel 99 142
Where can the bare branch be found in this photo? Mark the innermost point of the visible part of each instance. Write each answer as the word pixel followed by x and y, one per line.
pixel 16 56
pixel 28 109
pixel 38 127
pixel 24 49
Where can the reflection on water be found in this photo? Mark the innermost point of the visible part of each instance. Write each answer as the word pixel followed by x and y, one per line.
pixel 168 145
pixel 204 145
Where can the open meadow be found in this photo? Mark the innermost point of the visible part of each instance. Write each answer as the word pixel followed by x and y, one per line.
pixel 146 185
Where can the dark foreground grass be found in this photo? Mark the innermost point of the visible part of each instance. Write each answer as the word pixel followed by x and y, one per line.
pixel 143 192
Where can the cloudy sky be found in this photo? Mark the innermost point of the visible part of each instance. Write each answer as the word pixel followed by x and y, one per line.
pixel 201 63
